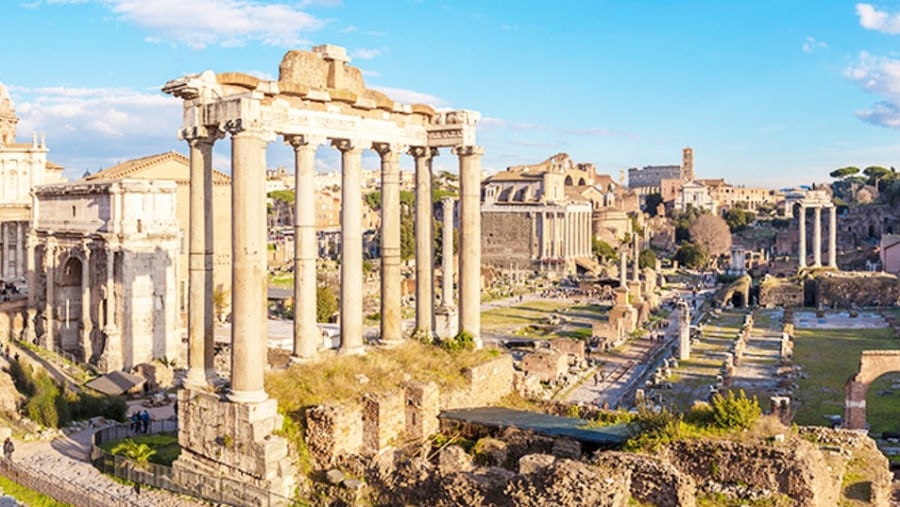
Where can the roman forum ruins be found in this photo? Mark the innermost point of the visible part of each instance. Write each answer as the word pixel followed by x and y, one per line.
pixel 816 199
pixel 317 99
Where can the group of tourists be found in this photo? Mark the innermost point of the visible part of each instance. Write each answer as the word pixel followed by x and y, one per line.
pixel 140 422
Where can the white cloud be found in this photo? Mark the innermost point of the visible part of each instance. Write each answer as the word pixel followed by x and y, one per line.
pixel 885 113
pixel 349 29
pixel 881 21
pixel 810 44
pixel 876 74
pixel 406 96
pixel 89 128
pixel 228 23
pixel 365 54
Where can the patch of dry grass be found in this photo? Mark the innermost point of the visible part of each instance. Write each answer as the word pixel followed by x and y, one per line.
pixel 336 379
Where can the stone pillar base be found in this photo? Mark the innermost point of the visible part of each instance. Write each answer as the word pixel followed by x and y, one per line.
pixel 446 322
pixel 230 449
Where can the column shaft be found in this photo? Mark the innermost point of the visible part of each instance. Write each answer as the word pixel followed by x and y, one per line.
pixel 86 348
pixel 802 236
pixel 248 273
pixel 306 331
pixel 470 241
pixel 832 236
pixel 200 313
pixel 112 352
pixel 351 247
pixel 623 267
pixel 50 304
pixel 424 243
pixel 391 319
pixel 31 280
pixel 817 237
pixel 447 253
pixel 20 249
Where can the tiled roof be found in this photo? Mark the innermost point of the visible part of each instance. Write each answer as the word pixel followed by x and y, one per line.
pixel 132 168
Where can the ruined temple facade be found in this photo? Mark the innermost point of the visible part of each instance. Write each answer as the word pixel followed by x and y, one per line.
pixel 102 262
pixel 22 166
pixel 538 216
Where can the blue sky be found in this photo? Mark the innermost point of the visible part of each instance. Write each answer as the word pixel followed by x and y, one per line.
pixel 767 93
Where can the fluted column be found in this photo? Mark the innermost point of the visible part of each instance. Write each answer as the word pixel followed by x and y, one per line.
pixel 50 304
pixel 832 236
pixel 31 311
pixel 20 250
pixel 447 253
pixel 248 272
pixel 635 262
pixel 85 329
pixel 424 243
pixel 391 319
pixel 306 332
pixel 112 351
pixel 817 236
pixel 802 236
pixel 201 368
pixel 351 246
pixel 470 240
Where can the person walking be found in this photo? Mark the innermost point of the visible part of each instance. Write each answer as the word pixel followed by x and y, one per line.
pixel 145 421
pixel 8 449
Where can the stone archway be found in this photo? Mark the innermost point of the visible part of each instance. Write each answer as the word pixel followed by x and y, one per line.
pixel 872 364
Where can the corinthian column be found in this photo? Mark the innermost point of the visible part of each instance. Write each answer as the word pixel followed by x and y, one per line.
pixel 470 240
pixel 391 321
pixel 447 253
pixel 86 348
pixel 802 236
pixel 424 243
pixel 351 246
pixel 248 272
pixel 832 236
pixel 201 368
pixel 306 332
pixel 30 334
pixel 817 236
pixel 50 303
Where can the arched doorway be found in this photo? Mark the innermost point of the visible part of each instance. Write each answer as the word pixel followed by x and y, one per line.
pixel 872 364
pixel 68 304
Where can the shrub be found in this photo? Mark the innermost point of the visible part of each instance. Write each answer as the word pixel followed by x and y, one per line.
pixel 652 428
pixel 735 411
pixel 462 341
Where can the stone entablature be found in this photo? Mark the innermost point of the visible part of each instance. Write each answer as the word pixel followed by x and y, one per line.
pixel 102 270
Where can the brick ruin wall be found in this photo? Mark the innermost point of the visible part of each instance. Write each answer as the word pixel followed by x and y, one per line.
pixel 502 241
pixel 857 289
pixel 780 292
pixel 379 421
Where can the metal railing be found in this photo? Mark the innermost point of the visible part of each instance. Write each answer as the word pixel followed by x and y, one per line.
pixel 219 490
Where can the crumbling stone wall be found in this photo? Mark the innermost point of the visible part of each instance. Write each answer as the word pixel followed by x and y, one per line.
pixel 855 289
pixel 380 421
pixel 780 292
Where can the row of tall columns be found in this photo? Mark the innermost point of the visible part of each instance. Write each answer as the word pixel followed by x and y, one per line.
pixel 565 234
pixel 817 236
pixel 249 279
pixel 12 251
pixel 447 252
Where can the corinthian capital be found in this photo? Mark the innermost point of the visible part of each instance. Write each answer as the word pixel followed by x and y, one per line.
pixel 467 150
pixel 423 151
pixel 298 141
pixel 347 145
pixel 241 126
pixel 200 135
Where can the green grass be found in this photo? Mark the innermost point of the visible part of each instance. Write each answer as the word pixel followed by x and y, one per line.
pixel 532 312
pixel 831 356
pixel 165 445
pixel 28 496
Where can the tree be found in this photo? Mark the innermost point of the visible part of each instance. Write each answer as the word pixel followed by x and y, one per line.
pixel 139 453
pixel 603 249
pixel 711 234
pixel 690 255
pixel 738 219
pixel 651 202
pixel 647 259
pixel 876 174
pixel 326 304
pixel 844 172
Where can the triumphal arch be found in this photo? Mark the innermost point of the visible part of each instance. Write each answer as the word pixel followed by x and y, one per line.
pixel 317 100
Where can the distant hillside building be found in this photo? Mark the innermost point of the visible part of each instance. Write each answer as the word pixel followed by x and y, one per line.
pixel 22 167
